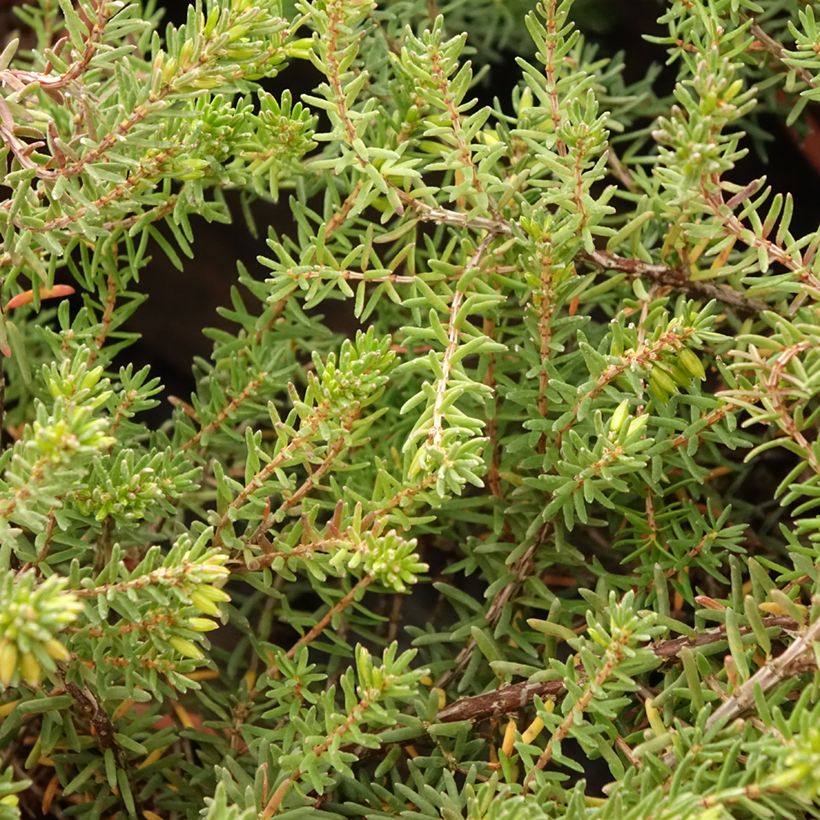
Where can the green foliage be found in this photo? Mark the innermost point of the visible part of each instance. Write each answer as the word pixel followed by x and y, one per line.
pixel 548 516
pixel 8 798
pixel 31 616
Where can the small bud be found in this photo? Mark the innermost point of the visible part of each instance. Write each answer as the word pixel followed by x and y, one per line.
pixel 30 669
pixel 733 90
pixel 186 648
pixel 56 650
pixel 185 53
pixel 214 571
pixel 216 594
pixel 532 731
pixel 596 636
pixel 300 49
pixel 654 718
pixel 509 738
pixel 169 70
pixel 692 364
pixel 211 22
pixel 636 427
pixel 202 624
pixel 92 378
pixel 619 416
pixel 679 375
pixel 662 382
pixel 204 603
pixel 206 83
pixel 8 662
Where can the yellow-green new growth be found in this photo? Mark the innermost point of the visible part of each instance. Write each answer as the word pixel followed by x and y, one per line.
pixel 31 616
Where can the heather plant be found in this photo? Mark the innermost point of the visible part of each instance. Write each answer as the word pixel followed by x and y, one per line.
pixel 539 539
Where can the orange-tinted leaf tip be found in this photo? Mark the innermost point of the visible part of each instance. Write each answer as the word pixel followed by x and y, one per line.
pixel 27 296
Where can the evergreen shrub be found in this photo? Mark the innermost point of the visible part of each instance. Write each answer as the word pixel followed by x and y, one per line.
pixel 539 539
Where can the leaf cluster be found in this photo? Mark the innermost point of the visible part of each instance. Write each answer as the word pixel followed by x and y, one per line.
pixel 538 538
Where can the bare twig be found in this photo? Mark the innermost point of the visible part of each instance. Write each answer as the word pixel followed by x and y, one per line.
pixel 97 716
pixel 519 695
pixel 612 658
pixel 786 419
pixel 675 278
pixel 453 335
pixel 620 171
pixel 766 677
pixel 445 216
pixel 500 701
pixel 775 251
pixel 779 53
pixel 320 626
pixel 273 805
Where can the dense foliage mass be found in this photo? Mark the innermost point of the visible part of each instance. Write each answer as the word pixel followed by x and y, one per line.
pixel 540 540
